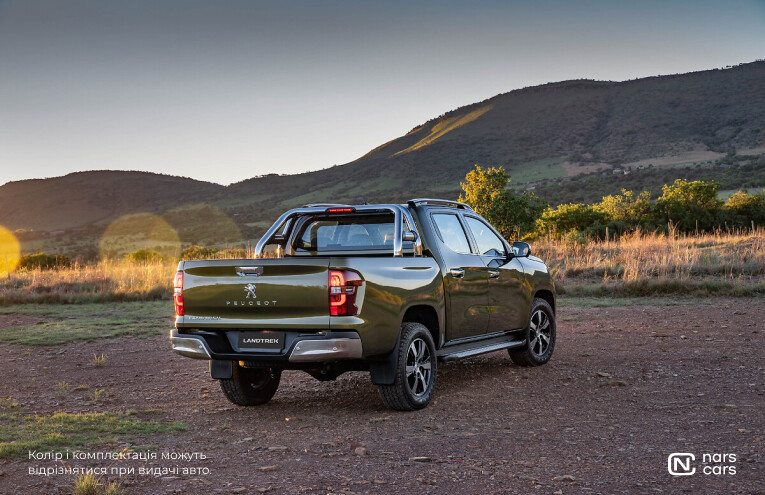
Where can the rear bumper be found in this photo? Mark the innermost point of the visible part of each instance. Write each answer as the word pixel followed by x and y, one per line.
pixel 311 351
pixel 192 347
pixel 319 348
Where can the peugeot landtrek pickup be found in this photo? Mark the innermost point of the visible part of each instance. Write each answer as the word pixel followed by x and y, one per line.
pixel 392 289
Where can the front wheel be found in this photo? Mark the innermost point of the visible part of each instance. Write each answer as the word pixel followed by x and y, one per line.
pixel 415 378
pixel 251 386
pixel 540 337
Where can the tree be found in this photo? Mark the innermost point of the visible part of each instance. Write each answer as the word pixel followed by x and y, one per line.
pixel 688 204
pixel 485 190
pixel 747 208
pixel 572 218
pixel 626 207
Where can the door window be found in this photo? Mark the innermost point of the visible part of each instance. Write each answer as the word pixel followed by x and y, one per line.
pixel 488 242
pixel 452 232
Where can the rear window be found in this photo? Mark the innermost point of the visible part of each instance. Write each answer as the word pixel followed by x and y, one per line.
pixel 452 232
pixel 346 233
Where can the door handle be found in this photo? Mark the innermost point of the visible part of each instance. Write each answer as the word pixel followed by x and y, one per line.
pixel 457 272
pixel 493 273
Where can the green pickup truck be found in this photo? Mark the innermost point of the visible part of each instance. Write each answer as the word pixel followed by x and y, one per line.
pixel 388 288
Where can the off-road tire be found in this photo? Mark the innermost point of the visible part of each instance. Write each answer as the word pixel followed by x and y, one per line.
pixel 402 395
pixel 534 352
pixel 251 386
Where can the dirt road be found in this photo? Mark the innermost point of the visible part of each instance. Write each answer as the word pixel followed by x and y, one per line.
pixel 626 387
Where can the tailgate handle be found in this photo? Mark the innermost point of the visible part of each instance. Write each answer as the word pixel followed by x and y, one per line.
pixel 254 271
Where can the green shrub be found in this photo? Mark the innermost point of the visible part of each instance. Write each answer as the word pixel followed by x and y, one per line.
pixel 689 204
pixel 746 208
pixel 195 252
pixel 626 208
pixel 572 217
pixel 144 256
pixel 44 261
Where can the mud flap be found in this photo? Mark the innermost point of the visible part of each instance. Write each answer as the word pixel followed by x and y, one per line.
pixel 384 372
pixel 221 370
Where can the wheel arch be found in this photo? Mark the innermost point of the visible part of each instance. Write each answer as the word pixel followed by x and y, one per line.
pixel 427 316
pixel 383 371
pixel 548 296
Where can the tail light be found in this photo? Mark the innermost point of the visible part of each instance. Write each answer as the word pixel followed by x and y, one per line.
pixel 178 293
pixel 343 287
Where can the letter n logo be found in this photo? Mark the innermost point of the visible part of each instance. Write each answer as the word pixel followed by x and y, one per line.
pixel 679 464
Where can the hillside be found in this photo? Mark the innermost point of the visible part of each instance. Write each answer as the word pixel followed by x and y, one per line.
pixel 543 134
pixel 550 131
pixel 85 198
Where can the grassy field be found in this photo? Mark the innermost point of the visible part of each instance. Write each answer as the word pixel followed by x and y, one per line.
pixel 567 301
pixel 21 432
pixel 106 281
pixel 727 193
pixel 638 264
pixel 56 324
pixel 548 168
pixel 642 264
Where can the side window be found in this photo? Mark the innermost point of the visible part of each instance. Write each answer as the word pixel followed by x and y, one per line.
pixel 452 232
pixel 488 242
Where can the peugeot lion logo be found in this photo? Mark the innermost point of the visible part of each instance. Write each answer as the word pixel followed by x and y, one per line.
pixel 251 299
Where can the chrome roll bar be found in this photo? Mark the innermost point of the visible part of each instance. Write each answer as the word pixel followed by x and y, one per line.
pixel 400 214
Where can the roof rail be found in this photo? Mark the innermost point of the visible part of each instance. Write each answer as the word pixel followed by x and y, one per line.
pixel 438 202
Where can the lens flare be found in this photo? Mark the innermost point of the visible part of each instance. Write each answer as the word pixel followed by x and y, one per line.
pixel 214 227
pixel 139 231
pixel 10 251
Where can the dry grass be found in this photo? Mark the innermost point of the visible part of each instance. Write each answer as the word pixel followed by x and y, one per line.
pixel 99 361
pixel 732 263
pixel 90 484
pixel 729 263
pixel 101 282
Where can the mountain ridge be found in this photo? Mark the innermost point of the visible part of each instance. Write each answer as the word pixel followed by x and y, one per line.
pixel 548 132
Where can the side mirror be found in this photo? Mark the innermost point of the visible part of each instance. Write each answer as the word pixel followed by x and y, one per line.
pixel 409 236
pixel 521 249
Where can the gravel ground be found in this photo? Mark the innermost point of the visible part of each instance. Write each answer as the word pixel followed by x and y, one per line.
pixel 626 387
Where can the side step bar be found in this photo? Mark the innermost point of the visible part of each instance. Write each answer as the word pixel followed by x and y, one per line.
pixel 475 351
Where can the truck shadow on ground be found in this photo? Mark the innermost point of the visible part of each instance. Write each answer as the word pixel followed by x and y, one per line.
pixel 354 393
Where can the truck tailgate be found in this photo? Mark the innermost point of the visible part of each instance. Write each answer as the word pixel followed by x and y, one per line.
pixel 256 293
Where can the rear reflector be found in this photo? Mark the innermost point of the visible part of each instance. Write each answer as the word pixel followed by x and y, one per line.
pixel 342 292
pixel 178 293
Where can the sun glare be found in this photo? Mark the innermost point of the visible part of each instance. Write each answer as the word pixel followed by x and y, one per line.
pixel 219 227
pixel 10 251
pixel 130 233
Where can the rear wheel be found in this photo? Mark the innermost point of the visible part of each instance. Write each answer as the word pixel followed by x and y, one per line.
pixel 251 386
pixel 540 337
pixel 416 370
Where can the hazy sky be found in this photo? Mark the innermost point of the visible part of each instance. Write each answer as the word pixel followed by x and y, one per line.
pixel 223 90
